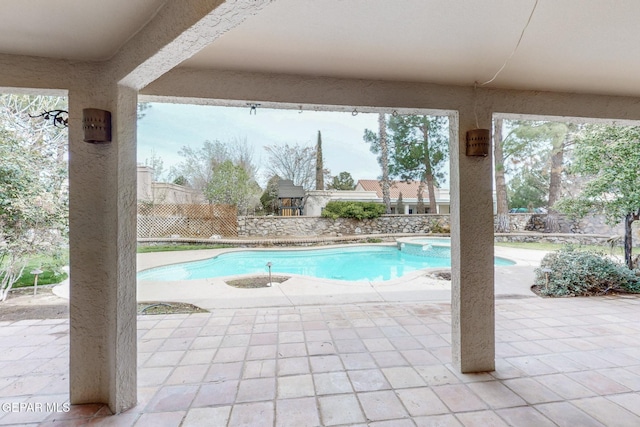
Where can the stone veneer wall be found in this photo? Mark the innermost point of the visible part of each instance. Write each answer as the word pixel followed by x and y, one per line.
pixel 307 226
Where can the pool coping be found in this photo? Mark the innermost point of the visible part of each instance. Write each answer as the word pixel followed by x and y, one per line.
pixel 511 282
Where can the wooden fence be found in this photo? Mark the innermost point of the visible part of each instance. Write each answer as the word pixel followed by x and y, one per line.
pixel 201 221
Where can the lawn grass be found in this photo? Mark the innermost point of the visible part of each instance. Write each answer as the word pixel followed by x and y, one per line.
pixel 49 277
pixel 46 264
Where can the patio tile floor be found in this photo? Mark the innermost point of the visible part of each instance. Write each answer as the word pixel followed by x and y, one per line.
pixel 558 362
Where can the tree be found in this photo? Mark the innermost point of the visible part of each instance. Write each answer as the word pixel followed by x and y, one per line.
pixel 420 150
pixel 156 163
pixel 528 189
pixel 399 204
pixel 610 156
pixel 241 153
pixel 269 198
pixel 380 146
pixel 231 185
pixel 537 151
pixel 417 150
pixel 33 185
pixel 142 107
pixel 198 164
pixel 342 181
pixel 319 165
pixel 180 180
pixel 560 140
pixel 296 163
pixel 502 204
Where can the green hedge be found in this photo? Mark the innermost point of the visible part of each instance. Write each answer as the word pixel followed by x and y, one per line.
pixel 357 210
pixel 569 272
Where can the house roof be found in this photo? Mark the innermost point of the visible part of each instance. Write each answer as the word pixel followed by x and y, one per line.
pixel 286 190
pixel 409 190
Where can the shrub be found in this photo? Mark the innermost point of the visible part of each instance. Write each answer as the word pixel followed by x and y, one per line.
pixel 569 272
pixel 357 210
pixel 436 227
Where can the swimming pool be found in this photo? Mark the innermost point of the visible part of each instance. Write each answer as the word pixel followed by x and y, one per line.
pixel 375 263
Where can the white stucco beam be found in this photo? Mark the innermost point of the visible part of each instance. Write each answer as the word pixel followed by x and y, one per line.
pixel 28 74
pixel 177 32
pixel 231 88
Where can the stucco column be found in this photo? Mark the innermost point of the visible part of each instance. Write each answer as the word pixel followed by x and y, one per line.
pixel 472 276
pixel 102 247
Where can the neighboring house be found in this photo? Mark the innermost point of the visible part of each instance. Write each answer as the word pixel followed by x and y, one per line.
pixel 370 190
pixel 165 193
pixel 409 191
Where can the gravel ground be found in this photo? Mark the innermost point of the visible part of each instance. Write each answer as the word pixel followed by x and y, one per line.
pixel 21 304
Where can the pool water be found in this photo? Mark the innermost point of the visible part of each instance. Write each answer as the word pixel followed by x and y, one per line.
pixel 375 263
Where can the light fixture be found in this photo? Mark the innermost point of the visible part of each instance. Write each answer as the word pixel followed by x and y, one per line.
pixel 253 108
pixel 478 142
pixel 96 125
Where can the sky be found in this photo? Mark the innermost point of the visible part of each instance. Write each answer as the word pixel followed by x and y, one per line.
pixel 166 128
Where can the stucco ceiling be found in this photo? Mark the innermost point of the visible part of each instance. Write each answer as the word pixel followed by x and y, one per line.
pixel 586 46
pixel 83 30
pixel 589 46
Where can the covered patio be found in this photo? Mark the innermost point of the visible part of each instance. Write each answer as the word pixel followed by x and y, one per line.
pixel 559 362
pixel 469 60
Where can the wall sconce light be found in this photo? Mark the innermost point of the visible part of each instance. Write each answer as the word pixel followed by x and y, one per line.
pixel 96 125
pixel 478 142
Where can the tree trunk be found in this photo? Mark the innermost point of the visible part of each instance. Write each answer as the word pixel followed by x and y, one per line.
pixel 628 239
pixel 420 206
pixel 502 207
pixel 428 171
pixel 384 160
pixel 555 183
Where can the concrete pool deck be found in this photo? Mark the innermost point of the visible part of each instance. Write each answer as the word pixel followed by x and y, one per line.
pixel 510 282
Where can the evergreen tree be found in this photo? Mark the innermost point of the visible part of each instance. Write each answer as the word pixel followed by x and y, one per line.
pixel 342 181
pixel 319 166
pixel 380 146
pixel 420 151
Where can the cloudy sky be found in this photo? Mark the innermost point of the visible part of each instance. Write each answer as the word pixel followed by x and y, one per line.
pixel 168 127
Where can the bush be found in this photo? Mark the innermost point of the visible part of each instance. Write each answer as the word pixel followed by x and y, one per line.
pixel 436 227
pixel 357 210
pixel 569 272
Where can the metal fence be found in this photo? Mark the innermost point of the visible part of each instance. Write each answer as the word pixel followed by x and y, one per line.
pixel 196 221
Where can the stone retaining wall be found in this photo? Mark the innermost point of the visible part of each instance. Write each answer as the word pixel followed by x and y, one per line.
pixel 262 226
pixel 307 226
